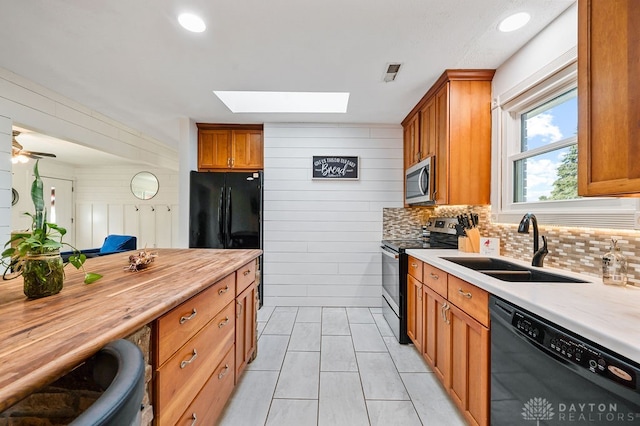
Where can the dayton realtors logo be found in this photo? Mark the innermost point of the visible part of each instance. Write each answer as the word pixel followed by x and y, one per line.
pixel 586 412
pixel 537 409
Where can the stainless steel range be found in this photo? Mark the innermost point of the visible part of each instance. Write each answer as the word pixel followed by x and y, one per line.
pixel 442 235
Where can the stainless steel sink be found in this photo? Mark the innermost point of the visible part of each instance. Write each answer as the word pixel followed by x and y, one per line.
pixel 511 272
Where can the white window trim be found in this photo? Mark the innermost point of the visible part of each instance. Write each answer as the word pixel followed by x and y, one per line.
pixel 559 75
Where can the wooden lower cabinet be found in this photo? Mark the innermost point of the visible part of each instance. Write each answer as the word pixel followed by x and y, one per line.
pixel 201 347
pixel 414 312
pixel 208 405
pixel 456 343
pixel 245 328
pixel 469 348
pixel 437 335
pixel 185 373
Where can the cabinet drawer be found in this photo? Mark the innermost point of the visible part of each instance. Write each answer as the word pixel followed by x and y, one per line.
pixel 245 276
pixel 415 268
pixel 471 299
pixel 179 325
pixel 206 408
pixel 436 279
pixel 185 373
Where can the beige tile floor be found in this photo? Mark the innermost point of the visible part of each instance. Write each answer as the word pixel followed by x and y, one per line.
pixel 332 367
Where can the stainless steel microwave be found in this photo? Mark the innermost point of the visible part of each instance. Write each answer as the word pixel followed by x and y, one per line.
pixel 419 181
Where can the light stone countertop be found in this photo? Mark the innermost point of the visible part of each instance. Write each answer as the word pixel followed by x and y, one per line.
pixel 606 315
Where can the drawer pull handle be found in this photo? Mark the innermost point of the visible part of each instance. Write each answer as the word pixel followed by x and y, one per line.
pixel 465 294
pixel 223 290
pixel 223 323
pixel 414 265
pixel 223 372
pixel 434 276
pixel 183 364
pixel 190 317
pixel 247 272
pixel 194 418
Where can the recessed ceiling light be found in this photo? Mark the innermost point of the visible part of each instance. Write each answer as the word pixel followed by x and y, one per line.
pixel 283 102
pixel 192 22
pixel 514 22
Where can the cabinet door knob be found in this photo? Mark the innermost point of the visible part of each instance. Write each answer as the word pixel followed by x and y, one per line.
pixel 184 319
pixel 184 363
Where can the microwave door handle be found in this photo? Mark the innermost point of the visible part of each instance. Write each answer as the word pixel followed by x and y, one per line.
pixel 420 187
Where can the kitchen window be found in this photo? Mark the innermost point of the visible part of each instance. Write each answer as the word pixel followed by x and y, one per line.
pixel 545 169
pixel 535 142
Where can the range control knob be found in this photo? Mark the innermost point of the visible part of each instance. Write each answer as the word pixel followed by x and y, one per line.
pixel 535 333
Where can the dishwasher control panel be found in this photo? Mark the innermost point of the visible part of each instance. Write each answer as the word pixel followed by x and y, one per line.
pixel 575 351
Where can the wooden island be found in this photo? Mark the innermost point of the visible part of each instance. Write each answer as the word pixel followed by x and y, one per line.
pixel 187 297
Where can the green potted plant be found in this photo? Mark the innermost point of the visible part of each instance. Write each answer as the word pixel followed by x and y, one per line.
pixel 36 254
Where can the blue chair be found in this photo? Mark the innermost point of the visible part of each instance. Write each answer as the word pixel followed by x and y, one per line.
pixel 112 244
pixel 119 369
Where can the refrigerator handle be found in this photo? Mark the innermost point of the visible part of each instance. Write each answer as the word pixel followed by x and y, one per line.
pixel 220 224
pixel 227 218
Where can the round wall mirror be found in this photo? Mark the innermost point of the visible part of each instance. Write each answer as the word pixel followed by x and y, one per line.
pixel 144 185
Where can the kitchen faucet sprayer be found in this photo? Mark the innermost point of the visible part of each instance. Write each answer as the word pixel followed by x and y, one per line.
pixel 538 253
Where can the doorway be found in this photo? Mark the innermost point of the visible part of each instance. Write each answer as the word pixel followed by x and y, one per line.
pixel 58 200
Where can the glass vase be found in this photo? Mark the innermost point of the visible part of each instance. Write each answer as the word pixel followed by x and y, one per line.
pixel 43 274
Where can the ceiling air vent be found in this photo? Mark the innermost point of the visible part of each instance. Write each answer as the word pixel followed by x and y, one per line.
pixel 392 71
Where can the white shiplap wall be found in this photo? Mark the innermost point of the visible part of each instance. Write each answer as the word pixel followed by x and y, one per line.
pixel 105 205
pixel 322 237
pixel 5 179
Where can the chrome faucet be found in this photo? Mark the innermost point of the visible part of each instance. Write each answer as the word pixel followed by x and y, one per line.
pixel 538 253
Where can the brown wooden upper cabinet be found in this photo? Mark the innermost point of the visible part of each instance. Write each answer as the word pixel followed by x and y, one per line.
pixel 608 91
pixel 230 147
pixel 453 122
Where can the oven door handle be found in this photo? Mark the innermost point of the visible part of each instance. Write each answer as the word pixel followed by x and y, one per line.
pixel 389 253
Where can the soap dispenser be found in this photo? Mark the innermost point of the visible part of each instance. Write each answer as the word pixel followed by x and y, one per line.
pixel 614 266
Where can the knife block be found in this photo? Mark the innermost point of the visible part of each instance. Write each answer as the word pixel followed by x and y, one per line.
pixel 470 243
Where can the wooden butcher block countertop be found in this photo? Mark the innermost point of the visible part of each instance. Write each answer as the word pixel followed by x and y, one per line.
pixel 43 339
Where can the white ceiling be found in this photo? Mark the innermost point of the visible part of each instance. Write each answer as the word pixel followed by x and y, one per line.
pixel 131 61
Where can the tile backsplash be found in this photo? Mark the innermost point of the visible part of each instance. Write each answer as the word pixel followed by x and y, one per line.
pixel 575 249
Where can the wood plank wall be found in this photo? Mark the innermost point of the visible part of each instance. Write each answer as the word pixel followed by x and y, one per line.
pixel 322 238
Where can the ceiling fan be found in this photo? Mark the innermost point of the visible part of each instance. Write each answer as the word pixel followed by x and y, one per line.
pixel 19 154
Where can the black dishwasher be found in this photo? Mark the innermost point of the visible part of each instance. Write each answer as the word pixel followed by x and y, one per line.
pixel 543 374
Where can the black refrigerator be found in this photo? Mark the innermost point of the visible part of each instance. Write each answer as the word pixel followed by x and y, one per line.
pixel 225 211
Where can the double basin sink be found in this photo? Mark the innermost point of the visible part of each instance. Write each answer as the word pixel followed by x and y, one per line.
pixel 507 271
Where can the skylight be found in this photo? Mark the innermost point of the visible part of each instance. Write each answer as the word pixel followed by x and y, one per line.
pixel 284 102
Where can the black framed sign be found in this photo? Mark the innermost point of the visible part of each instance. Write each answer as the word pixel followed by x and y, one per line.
pixel 335 167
